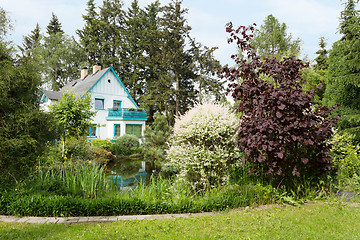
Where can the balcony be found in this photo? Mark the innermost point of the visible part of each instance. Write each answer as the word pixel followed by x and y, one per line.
pixel 127 114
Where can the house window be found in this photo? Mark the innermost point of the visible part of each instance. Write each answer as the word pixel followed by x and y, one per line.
pixel 133 129
pixel 117 104
pixel 92 131
pixel 117 130
pixel 99 103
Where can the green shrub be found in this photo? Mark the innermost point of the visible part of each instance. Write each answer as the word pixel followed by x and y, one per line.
pixel 202 146
pixel 104 144
pixel 346 155
pixel 126 145
pixel 156 137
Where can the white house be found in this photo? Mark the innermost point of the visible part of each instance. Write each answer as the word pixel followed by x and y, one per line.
pixel 116 112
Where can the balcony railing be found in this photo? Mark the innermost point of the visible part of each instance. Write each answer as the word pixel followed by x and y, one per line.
pixel 127 113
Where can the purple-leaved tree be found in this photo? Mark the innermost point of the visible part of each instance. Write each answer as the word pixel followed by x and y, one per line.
pixel 282 131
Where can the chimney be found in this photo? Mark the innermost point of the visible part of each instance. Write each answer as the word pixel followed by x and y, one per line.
pixel 84 73
pixel 96 68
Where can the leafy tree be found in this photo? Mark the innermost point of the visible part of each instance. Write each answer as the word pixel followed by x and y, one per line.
pixel 281 131
pixel 272 40
pixel 54 26
pixel 72 114
pixel 343 86
pixel 31 42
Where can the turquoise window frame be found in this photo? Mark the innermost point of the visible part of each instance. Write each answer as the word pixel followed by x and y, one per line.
pixel 119 101
pixel 115 125
pixel 133 128
pixel 103 103
pixel 90 131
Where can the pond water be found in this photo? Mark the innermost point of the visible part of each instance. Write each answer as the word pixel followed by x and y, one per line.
pixel 127 173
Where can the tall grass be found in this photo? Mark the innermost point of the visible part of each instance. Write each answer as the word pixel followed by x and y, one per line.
pixel 84 179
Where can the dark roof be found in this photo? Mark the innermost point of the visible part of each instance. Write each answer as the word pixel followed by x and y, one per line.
pixel 81 86
pixel 52 95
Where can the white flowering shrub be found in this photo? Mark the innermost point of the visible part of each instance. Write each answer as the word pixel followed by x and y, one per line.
pixel 202 146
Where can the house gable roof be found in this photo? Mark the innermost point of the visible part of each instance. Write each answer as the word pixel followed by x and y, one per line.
pixel 83 86
pixel 52 95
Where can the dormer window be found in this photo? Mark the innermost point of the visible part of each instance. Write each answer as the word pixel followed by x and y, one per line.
pixel 99 103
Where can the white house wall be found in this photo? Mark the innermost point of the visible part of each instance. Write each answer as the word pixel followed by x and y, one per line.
pixel 110 91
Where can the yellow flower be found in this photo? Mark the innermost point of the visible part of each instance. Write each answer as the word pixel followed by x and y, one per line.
pixel 89 161
pixel 65 158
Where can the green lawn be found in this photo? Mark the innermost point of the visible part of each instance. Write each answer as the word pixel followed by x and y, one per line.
pixel 333 221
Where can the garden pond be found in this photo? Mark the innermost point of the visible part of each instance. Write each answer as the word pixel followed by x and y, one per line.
pixel 126 173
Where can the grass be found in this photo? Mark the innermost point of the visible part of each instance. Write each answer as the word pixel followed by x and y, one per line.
pixel 321 221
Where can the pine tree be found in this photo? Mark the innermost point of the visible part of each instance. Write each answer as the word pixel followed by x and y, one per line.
pixel 54 26
pixel 90 34
pixel 322 59
pixel 31 42
pixel 110 41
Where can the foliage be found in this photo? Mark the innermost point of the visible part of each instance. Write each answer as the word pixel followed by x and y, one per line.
pixel 102 143
pixel 346 155
pixel 5 24
pixel 202 146
pixel 158 197
pixel 281 131
pixel 315 81
pixel 84 179
pixel 54 26
pixel 24 129
pixel 343 86
pixel 73 114
pixel 78 148
pixel 322 61
pixel 272 40
pixel 125 145
pixel 148 48
pixel 62 59
pixel 156 136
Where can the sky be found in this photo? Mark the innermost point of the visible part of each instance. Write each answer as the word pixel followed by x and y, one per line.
pixel 306 19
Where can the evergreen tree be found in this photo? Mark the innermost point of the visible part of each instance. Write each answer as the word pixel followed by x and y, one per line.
pixel 206 67
pixel 132 55
pixel 175 31
pixel 272 40
pixel 31 42
pixel 63 59
pixel 54 26
pixel 90 34
pixel 110 41
pixel 343 86
pixel 322 58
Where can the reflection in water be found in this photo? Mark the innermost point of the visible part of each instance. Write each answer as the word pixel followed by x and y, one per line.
pixel 126 173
